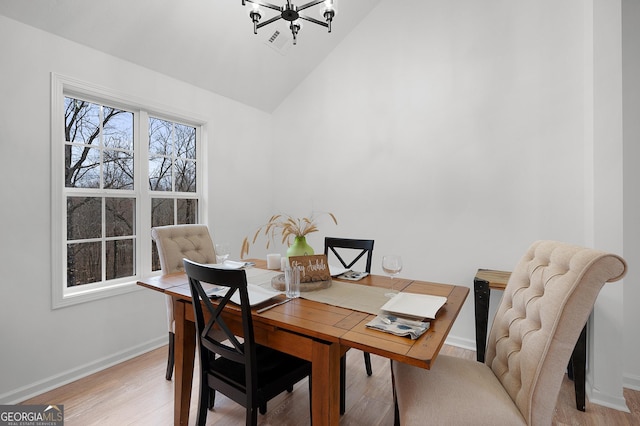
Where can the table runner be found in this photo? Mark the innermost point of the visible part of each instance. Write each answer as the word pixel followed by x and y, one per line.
pixel 345 295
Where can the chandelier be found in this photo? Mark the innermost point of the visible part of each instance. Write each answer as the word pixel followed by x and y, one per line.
pixel 291 13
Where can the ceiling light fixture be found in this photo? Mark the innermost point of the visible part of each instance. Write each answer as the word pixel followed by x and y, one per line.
pixel 291 13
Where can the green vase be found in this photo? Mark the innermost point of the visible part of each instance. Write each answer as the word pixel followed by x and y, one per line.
pixel 299 248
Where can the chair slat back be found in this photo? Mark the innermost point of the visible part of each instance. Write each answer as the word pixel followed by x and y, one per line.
pixel 365 247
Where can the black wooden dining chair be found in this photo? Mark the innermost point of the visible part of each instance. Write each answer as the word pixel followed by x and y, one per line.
pixel 358 249
pixel 248 373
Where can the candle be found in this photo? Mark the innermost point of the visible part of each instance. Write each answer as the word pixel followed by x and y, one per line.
pixel 273 261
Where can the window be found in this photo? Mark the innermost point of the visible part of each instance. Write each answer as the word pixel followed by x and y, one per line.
pixel 119 167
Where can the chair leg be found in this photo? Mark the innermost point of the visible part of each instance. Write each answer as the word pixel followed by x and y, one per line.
pixel 212 399
pixel 263 408
pixel 367 363
pixel 310 401
pixel 203 399
pixel 578 364
pixel 252 416
pixel 396 411
pixel 170 358
pixel 343 383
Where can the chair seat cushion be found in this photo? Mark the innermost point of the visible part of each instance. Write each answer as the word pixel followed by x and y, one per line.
pixel 455 391
pixel 272 366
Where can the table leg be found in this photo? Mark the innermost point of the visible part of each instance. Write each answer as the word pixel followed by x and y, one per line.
pixel 185 345
pixel 325 374
pixel 481 293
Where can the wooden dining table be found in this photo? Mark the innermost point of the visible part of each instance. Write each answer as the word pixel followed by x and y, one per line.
pixel 314 331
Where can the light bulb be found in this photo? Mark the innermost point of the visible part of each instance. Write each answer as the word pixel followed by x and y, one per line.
pixel 255 16
pixel 328 11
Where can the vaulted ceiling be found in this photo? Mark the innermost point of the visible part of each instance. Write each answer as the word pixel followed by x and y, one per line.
pixel 207 43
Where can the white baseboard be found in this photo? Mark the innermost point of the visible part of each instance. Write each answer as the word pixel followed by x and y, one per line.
pixel 631 382
pixel 469 344
pixel 606 400
pixel 29 391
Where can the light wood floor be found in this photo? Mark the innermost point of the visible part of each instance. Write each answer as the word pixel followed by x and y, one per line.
pixel 136 393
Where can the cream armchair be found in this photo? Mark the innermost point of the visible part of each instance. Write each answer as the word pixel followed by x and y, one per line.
pixel 174 243
pixel 545 305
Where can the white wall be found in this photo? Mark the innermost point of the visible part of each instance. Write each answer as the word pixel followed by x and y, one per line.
pixel 456 135
pixel 41 347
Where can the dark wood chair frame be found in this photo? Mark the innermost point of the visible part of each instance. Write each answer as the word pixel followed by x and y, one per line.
pixel 366 248
pixel 227 365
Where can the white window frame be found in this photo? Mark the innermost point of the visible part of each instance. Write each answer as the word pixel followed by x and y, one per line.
pixel 63 86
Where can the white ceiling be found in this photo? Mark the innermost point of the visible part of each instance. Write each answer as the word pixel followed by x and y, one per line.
pixel 207 43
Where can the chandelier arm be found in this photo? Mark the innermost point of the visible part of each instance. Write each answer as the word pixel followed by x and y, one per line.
pixel 268 21
pixel 314 20
pixel 308 5
pixel 265 4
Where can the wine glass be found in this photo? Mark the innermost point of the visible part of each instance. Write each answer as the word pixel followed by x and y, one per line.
pixel 392 265
pixel 222 252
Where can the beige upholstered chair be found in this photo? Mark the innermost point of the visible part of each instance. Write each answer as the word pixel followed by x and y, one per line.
pixel 545 305
pixel 176 242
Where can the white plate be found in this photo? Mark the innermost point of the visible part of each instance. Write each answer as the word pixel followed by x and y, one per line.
pixel 230 264
pixel 257 295
pixel 415 305
pixel 334 270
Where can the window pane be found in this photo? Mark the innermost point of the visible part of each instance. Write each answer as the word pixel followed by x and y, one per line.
pixel 118 128
pixel 119 216
pixel 159 137
pixel 82 167
pixel 160 174
pixel 185 141
pixel 118 169
pixel 84 216
pixel 81 121
pixel 185 176
pixel 187 211
pixel 161 211
pixel 120 259
pixel 83 264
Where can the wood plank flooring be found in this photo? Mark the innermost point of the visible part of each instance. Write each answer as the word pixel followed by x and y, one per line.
pixel 136 393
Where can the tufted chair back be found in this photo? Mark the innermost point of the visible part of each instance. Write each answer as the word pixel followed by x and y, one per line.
pixel 539 319
pixel 176 242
